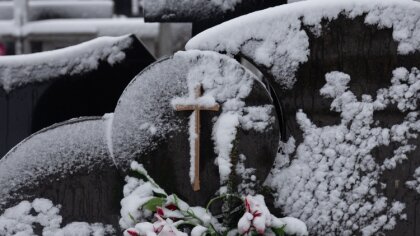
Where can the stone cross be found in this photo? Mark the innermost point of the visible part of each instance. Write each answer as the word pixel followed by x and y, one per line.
pixel 196 107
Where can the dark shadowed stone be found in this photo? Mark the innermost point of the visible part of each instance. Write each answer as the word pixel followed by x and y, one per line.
pixel 147 128
pixel 69 164
pixel 47 92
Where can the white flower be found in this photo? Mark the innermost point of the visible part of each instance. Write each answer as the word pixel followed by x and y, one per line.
pixel 257 215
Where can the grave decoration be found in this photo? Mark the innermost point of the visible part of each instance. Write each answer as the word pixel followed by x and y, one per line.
pixel 196 134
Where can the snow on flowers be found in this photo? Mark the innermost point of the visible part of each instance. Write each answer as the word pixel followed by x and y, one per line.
pixel 149 211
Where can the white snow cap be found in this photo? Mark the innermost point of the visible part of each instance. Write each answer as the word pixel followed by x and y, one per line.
pixel 20 70
pixel 275 39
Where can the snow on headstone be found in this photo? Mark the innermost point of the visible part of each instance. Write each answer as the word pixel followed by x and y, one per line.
pixel 202 10
pixel 40 89
pixel 70 165
pixel 347 75
pixel 20 70
pixel 236 144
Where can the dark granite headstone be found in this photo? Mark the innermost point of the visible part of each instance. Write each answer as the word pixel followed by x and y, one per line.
pixel 70 165
pixel 202 13
pixel 355 42
pixel 147 127
pixel 47 95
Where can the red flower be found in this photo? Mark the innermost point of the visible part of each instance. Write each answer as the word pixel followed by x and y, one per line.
pixel 172 207
pixel 132 232
pixel 160 211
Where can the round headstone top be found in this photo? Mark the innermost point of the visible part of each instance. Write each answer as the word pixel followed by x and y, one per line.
pixel 155 123
pixel 74 147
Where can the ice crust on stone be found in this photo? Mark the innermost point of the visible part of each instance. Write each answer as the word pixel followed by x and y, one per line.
pixel 224 81
pixel 20 220
pixel 275 40
pixel 75 146
pixel 16 71
pixel 330 180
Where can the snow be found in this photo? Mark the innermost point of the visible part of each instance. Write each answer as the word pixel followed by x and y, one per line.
pixel 275 39
pixel 97 27
pixel 294 226
pixel 109 118
pixel 151 97
pixel 226 5
pixel 16 71
pixel 248 184
pixel 258 217
pixel 136 220
pixel 137 192
pixel 76 146
pixel 330 180
pixel 257 118
pixel 192 137
pixel 173 9
pixel 20 220
pixel 415 184
pixel 224 134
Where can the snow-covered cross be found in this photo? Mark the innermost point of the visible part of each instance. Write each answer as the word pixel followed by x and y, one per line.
pixel 196 107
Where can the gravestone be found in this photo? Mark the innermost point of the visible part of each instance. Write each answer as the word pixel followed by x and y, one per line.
pixel 70 165
pixel 343 71
pixel 202 13
pixel 38 90
pixel 153 125
pixel 79 164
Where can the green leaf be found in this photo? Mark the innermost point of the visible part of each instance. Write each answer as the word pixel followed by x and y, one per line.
pixel 131 217
pixel 159 195
pixel 279 231
pixel 153 203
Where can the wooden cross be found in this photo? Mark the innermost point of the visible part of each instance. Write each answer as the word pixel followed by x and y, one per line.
pixel 197 108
